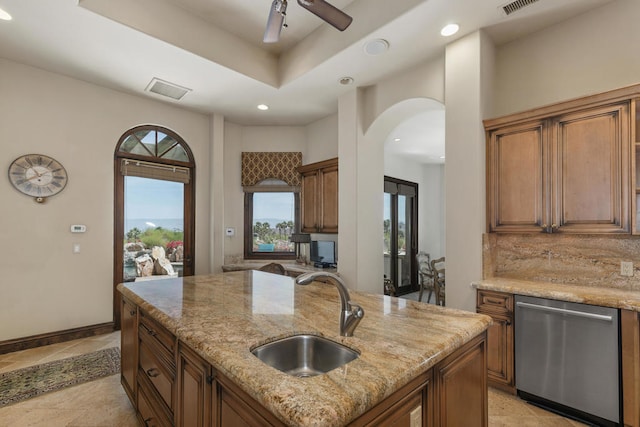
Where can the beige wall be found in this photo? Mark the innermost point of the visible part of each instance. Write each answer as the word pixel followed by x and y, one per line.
pixel 430 180
pixel 250 138
pixel 44 286
pixel 592 53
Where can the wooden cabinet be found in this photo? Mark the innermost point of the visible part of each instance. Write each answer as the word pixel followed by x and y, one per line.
pixel 460 387
pixel 176 386
pixel 238 409
pixel 195 390
pixel 156 371
pixel 564 172
pixel 129 346
pixel 635 170
pixel 410 406
pixel 319 197
pixel 500 336
pixel 630 352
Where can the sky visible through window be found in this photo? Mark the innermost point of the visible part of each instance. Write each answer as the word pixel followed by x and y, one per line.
pixel 151 203
pixel 273 207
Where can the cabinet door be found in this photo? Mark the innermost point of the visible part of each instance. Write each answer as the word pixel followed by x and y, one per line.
pixel 129 346
pixel 194 390
pixel 309 202
pixel 590 170
pixel 461 387
pixel 500 352
pixel 329 200
pixel 517 178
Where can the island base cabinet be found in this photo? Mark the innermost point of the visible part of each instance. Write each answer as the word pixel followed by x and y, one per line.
pixel 129 345
pixel 195 391
pixel 460 385
pixel 174 385
pixel 412 410
pixel 238 409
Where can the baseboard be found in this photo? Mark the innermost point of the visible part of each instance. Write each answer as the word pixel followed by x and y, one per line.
pixel 34 341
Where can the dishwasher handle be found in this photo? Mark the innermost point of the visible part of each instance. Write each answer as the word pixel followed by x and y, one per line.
pixel 565 311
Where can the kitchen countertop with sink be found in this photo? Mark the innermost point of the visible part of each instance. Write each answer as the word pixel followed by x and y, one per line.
pixel 224 316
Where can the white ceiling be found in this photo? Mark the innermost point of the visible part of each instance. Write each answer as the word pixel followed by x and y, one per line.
pixel 214 48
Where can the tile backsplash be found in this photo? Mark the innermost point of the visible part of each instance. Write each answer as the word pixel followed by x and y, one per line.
pixel 586 260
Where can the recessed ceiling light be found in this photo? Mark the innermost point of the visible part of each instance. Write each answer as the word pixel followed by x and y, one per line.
pixel 449 30
pixel 396 139
pixel 263 107
pixel 5 16
pixel 442 157
pixel 376 47
pixel 345 81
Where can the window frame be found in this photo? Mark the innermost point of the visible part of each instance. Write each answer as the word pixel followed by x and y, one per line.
pixel 248 227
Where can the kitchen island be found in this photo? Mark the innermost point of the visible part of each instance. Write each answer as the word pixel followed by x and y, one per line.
pixel 186 356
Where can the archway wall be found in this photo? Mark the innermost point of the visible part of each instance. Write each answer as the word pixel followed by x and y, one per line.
pixel 366 116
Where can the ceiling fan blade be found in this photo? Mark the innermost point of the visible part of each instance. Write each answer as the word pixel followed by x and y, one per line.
pixel 327 12
pixel 275 21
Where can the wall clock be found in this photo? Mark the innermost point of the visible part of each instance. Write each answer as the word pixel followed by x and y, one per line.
pixel 38 176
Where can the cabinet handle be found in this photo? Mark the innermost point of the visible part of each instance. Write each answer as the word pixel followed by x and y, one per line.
pixel 146 422
pixel 152 332
pixel 508 323
pixel 494 301
pixel 209 379
pixel 132 313
pixel 153 372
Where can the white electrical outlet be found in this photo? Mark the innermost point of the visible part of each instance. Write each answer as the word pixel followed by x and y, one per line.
pixel 626 268
pixel 415 418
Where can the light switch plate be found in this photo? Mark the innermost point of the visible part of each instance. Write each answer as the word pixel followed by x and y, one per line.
pixel 230 231
pixel 626 268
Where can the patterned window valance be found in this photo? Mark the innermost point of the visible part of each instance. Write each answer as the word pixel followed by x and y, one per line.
pixel 260 166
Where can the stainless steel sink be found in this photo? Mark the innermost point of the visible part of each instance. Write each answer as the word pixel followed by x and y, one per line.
pixel 305 355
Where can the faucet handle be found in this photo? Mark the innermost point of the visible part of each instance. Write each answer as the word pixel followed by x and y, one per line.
pixel 356 310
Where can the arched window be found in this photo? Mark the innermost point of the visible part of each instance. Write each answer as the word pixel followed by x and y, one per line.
pixel 154 213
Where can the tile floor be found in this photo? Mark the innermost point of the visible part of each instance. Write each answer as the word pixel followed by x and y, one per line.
pixel 104 403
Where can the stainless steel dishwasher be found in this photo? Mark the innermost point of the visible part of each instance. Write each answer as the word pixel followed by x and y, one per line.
pixel 567 358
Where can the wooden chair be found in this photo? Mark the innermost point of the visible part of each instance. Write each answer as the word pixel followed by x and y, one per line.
pixel 274 268
pixel 389 289
pixel 425 275
pixel 437 268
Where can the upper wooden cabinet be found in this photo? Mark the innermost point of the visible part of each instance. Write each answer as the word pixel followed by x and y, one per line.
pixel 566 172
pixel 319 198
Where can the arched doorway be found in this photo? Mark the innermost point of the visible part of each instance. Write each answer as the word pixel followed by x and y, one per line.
pixel 154 207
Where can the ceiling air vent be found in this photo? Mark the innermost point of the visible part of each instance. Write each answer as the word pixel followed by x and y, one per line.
pixel 515 6
pixel 165 88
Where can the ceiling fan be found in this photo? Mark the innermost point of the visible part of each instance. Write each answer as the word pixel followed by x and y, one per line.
pixel 320 8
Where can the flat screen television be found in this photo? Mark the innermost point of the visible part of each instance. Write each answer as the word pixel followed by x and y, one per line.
pixel 323 253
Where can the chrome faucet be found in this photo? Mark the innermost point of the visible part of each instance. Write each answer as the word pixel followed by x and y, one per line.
pixel 350 314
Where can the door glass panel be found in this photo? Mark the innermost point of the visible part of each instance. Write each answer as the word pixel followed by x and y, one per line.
pixel 153 228
pixel 405 258
pixel 399 231
pixel 387 236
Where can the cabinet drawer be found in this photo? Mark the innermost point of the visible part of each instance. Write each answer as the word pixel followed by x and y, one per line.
pixel 149 414
pixel 496 302
pixel 157 338
pixel 159 375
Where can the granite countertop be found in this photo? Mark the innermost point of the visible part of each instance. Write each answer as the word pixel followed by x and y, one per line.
pixel 223 316
pixel 255 265
pixel 602 296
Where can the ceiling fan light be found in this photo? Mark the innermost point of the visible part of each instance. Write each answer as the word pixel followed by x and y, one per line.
pixel 275 21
